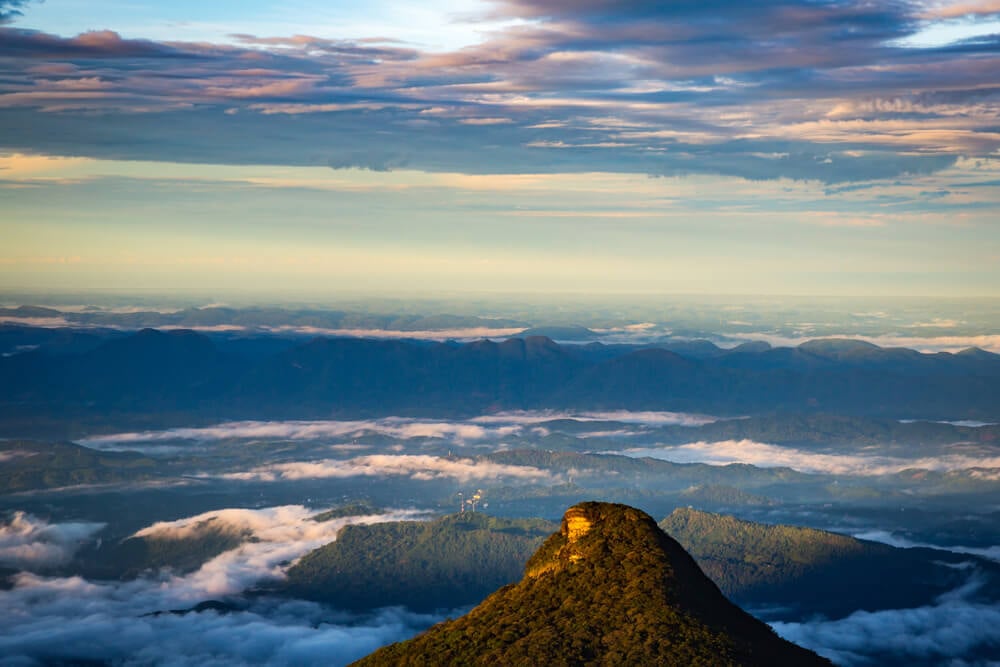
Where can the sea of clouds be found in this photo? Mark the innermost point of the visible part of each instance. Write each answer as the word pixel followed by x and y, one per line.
pixel 71 619
pixel 955 630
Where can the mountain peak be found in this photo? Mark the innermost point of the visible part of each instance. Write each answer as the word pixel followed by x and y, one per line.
pixel 609 588
pixel 836 347
pixel 586 530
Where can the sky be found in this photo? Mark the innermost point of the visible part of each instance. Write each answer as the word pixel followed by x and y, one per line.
pixel 836 147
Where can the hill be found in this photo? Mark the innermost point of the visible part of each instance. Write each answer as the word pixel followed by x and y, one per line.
pixel 27 465
pixel 451 562
pixel 803 570
pixel 609 588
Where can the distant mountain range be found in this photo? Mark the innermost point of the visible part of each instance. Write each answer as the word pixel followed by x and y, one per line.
pixel 609 588
pixel 183 376
pixel 254 318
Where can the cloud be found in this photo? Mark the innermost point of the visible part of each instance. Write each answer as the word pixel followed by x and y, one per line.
pixel 783 89
pixel 94 44
pixel 48 322
pixel 11 454
pixel 651 418
pixel 885 537
pixel 272 524
pixel 68 621
pixel 27 542
pixel 279 536
pixel 647 418
pixel 768 456
pixel 395 427
pixel 962 9
pixel 417 467
pixel 11 8
pixel 71 619
pixel 968 423
pixel 957 343
pixel 366 51
pixel 462 334
pixel 483 428
pixel 952 631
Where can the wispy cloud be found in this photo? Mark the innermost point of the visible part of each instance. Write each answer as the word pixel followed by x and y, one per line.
pixel 459 334
pixel 483 428
pixel 396 427
pixel 648 418
pixel 31 543
pixel 651 418
pixel 417 467
pixel 272 524
pixel 769 456
pixel 279 536
pixel 11 8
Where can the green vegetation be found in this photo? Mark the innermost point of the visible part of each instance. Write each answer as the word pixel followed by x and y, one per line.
pixel 137 555
pixel 28 465
pixel 721 494
pixel 451 562
pixel 609 589
pixel 352 509
pixel 755 563
pixel 641 471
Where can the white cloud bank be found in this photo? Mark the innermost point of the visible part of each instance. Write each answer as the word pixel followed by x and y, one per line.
pixel 395 427
pixel 417 467
pixel 463 334
pixel 280 535
pixel 885 537
pixel 71 619
pixel 29 542
pixel 68 621
pixel 271 524
pixel 770 456
pixel 483 428
pixel 955 631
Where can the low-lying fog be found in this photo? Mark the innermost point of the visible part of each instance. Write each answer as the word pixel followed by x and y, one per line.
pixel 69 618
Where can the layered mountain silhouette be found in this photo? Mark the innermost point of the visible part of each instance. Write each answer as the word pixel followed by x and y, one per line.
pixel 610 588
pixel 186 376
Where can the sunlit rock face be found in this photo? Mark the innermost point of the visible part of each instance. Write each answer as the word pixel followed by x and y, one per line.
pixel 576 523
